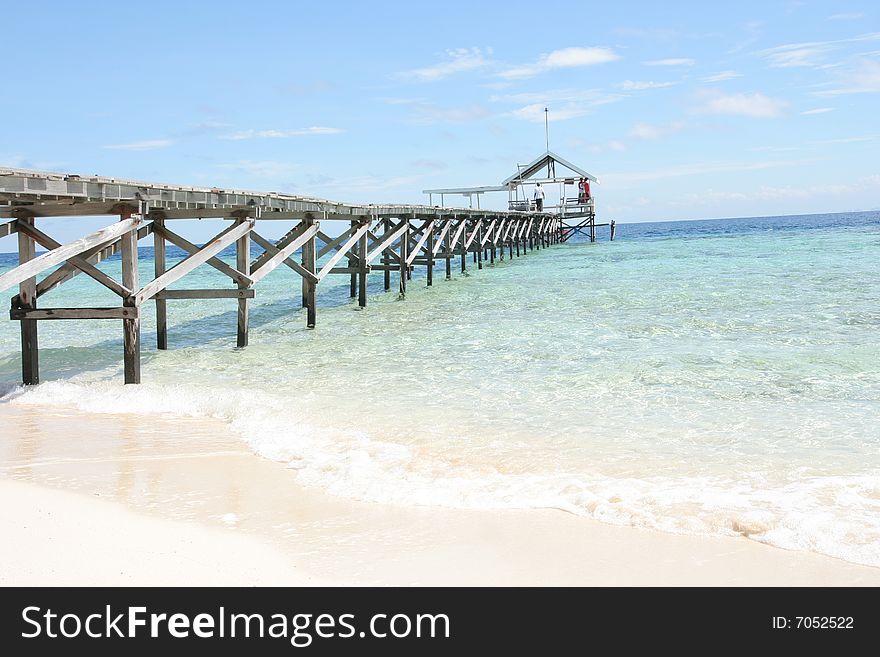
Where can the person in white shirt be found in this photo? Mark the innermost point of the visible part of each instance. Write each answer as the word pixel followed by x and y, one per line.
pixel 539 198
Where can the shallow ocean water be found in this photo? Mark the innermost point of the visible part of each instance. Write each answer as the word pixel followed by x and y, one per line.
pixel 716 377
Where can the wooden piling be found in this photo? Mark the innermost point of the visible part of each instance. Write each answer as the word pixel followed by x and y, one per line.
pixel 404 254
pixel 27 295
pixel 613 229
pixel 309 263
pixel 362 266
pixel 131 327
pixel 386 258
pixel 159 269
pixel 351 265
pixel 243 264
pixel 430 251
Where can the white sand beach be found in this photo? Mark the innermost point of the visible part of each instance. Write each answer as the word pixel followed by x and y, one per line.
pixel 94 499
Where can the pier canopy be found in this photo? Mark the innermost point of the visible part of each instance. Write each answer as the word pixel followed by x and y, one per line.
pixel 549 169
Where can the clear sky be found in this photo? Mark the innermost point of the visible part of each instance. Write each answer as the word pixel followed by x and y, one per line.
pixel 683 110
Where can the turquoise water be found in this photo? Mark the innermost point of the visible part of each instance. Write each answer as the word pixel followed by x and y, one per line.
pixel 717 377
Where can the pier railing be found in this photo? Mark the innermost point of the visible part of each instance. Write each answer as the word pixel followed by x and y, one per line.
pixel 371 238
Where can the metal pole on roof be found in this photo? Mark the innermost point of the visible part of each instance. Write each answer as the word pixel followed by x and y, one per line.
pixel 547 128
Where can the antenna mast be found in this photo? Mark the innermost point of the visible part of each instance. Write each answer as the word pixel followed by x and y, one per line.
pixel 547 128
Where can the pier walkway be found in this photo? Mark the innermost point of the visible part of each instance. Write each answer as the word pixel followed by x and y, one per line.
pixel 329 238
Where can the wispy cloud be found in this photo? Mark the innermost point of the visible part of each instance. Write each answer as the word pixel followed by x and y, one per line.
pixel 433 165
pixel 562 58
pixel 811 54
pixel 855 139
pixel 770 193
pixel 281 134
pixel 672 61
pixel 458 60
pixel 638 85
pixel 145 145
pixel 721 76
pixel 864 77
pixel 564 104
pixel 755 105
pixel 818 110
pixel 849 16
pixel 649 131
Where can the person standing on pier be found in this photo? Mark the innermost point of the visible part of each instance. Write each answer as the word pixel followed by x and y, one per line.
pixel 585 190
pixel 539 198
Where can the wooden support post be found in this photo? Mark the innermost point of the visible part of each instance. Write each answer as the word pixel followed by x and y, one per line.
pixel 131 328
pixel 430 249
pixel 309 285
pixel 479 249
pixel 243 264
pixel 363 267
pixel 593 228
pixel 447 247
pixel 159 269
pixel 27 295
pixel 352 292
pixel 386 258
pixel 404 255
pixel 613 229
pixel 464 247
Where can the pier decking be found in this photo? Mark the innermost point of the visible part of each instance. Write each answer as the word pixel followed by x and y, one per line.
pixel 373 238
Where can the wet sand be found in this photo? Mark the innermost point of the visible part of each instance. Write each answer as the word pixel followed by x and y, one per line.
pixel 127 499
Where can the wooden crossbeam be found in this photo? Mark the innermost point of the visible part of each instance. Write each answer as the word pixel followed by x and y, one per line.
pixel 8 228
pixel 289 261
pixel 387 240
pixel 526 227
pixel 126 312
pixel 488 232
pixel 350 242
pixel 458 231
pixel 182 268
pixel 54 257
pixel 93 256
pixel 285 248
pixel 427 228
pixel 331 244
pixel 214 262
pixel 439 243
pixel 77 261
pixel 210 293
pixel 388 252
pixel 467 243
pixel 507 228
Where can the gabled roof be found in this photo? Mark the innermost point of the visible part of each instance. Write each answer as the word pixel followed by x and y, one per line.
pixel 544 160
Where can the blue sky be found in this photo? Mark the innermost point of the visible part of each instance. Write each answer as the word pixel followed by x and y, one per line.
pixel 683 110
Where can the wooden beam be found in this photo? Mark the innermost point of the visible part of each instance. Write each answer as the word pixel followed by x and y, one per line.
pixel 427 229
pixel 27 299
pixel 54 257
pixel 131 326
pixel 342 250
pixel 289 261
pixel 309 286
pixel 207 293
pixel 388 239
pixel 388 251
pixel 73 313
pixel 161 307
pixel 77 261
pixel 285 248
pixel 470 240
pixel 488 234
pixel 191 248
pixel 443 231
pixel 204 254
pixel 8 228
pixel 331 244
pixel 93 256
pixel 243 264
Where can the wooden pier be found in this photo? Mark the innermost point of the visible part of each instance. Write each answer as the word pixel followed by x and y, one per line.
pixel 372 238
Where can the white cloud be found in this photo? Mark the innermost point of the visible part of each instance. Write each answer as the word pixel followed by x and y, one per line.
pixel 818 110
pixel 145 145
pixel 850 16
pixel 768 193
pixel 755 105
pixel 847 140
pixel 535 112
pixel 281 134
pixel 721 76
pixel 863 78
pixel 809 54
pixel 672 61
pixel 458 60
pixel 636 85
pixel 648 131
pixel 562 58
